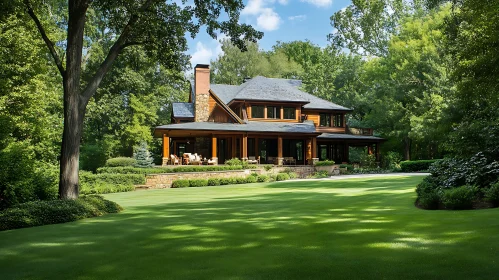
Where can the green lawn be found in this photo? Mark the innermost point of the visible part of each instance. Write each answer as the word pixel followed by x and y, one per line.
pixel 352 229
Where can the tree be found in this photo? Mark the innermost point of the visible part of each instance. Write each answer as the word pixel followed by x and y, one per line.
pixel 158 26
pixel 142 156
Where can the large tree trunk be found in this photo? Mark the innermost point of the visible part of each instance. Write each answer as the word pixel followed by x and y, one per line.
pixel 74 105
pixel 407 148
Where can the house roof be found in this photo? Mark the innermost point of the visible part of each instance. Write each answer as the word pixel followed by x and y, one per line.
pixel 305 127
pixel 183 110
pixel 270 89
pixel 348 137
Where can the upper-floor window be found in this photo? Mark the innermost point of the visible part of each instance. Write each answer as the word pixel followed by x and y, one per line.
pixel 338 120
pixel 257 111
pixel 273 112
pixel 325 119
pixel 289 113
pixel 328 120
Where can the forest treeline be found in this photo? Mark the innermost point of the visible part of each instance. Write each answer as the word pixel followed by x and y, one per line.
pixel 423 75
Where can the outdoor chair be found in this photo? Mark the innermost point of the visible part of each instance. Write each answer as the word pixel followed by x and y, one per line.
pixel 290 160
pixel 253 160
pixel 174 160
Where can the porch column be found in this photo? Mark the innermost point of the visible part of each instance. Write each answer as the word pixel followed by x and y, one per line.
pixel 370 149
pixel 166 149
pixel 308 155
pixel 244 147
pixel 214 157
pixel 314 151
pixel 233 149
pixel 280 159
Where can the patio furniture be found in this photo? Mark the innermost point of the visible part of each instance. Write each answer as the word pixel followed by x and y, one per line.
pixel 271 160
pixel 253 160
pixel 174 160
pixel 289 160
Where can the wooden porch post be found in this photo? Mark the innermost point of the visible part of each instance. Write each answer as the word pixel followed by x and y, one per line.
pixel 279 150
pixel 166 149
pixel 244 147
pixel 370 149
pixel 308 155
pixel 214 149
pixel 314 147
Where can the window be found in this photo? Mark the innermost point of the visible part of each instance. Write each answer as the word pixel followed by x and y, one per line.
pixel 325 119
pixel 338 120
pixel 289 113
pixel 257 111
pixel 273 112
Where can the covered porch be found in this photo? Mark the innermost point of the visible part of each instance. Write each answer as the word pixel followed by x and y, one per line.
pixel 336 146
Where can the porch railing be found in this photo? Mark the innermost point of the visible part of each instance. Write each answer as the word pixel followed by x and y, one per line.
pixel 360 131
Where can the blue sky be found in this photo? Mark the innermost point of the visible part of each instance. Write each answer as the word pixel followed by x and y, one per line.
pixel 280 20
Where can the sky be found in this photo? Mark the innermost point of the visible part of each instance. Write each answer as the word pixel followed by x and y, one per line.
pixel 280 20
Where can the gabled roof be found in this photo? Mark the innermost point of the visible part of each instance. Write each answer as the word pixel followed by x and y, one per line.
pixel 270 89
pixel 183 110
pixel 280 127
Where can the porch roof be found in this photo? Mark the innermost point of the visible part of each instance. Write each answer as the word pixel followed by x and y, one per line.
pixel 334 136
pixel 306 127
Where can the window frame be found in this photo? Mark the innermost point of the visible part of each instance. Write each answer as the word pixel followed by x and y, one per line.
pixel 276 112
pixel 284 113
pixel 253 111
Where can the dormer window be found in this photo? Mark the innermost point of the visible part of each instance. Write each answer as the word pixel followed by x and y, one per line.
pixel 273 112
pixel 325 119
pixel 257 111
pixel 331 120
pixel 289 113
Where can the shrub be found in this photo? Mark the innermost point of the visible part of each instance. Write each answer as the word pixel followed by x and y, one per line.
pixel 492 194
pixel 319 174
pixel 213 182
pixel 240 180
pixel 103 188
pixel 92 156
pixel 282 177
pixel 194 183
pixel 37 213
pixel 349 167
pixel 117 179
pixel 234 161
pixel 459 198
pixel 181 183
pixel 324 163
pixel 120 162
pixel 251 179
pixel 293 175
pixel 268 167
pixel 250 166
pixel 367 160
pixel 416 165
pixel 225 181
pixel 430 200
pixel 272 177
pixel 262 178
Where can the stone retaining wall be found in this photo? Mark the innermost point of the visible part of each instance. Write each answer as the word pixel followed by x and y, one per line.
pixel 164 180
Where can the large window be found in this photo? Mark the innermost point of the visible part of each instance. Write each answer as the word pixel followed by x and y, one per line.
pixel 325 119
pixel 338 120
pixel 257 111
pixel 273 112
pixel 289 113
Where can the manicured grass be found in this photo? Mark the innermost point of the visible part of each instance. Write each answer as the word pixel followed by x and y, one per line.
pixel 352 229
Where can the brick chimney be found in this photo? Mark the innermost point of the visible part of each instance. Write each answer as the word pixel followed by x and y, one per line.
pixel 202 96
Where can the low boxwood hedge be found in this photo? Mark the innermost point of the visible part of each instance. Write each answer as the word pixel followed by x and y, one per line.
pixel 183 168
pixel 102 188
pixel 253 178
pixel 38 213
pixel 120 161
pixel 416 165
pixel 324 163
pixel 110 178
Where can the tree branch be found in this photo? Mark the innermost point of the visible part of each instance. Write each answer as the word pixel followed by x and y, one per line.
pixel 48 42
pixel 113 53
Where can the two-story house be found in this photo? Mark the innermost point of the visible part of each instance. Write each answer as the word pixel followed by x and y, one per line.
pixel 263 117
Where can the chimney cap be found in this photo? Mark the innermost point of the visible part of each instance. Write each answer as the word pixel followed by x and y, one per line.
pixel 202 66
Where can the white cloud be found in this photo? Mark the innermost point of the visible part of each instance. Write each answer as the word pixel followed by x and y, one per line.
pixel 319 3
pixel 202 55
pixel 254 7
pixel 283 2
pixel 268 20
pixel 298 17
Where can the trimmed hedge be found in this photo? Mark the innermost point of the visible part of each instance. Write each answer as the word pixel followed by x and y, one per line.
pixel 120 161
pixel 460 198
pixel 117 179
pixel 325 163
pixel 102 188
pixel 157 170
pixel 253 178
pixel 416 165
pixel 45 212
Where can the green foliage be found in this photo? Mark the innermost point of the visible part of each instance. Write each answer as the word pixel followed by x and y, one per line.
pixel 392 160
pixel 193 183
pixel 251 179
pixel 428 195
pixel 100 187
pixel 214 182
pixel 121 162
pixel 459 198
pixel 368 161
pixel 282 177
pixel 492 194
pixel 109 178
pixel 325 163
pixel 262 178
pixel 181 183
pixel 292 175
pixel 349 167
pixel 38 213
pixel 268 167
pixel 142 156
pixel 319 174
pixel 234 161
pixel 158 170
pixel 416 165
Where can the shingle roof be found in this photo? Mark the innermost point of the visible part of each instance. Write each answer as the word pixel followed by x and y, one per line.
pixel 270 89
pixel 183 110
pixel 225 92
pixel 305 127
pixel 347 137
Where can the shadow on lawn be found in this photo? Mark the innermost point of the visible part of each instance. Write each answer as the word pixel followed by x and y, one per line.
pixel 307 231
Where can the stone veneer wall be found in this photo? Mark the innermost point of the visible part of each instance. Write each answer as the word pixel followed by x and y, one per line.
pixel 202 108
pixel 302 171
pixel 165 180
